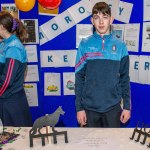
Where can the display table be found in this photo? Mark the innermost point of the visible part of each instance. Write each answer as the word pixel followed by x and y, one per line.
pixel 80 139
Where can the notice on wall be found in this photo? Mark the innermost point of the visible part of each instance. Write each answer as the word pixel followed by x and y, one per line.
pixel 31 26
pixel 83 31
pixel 69 83
pixel 52 84
pixel 11 8
pixel 146 37
pixel 31 93
pixel 31 53
pixel 146 10
pixel 131 36
pixel 118 31
pixel 32 74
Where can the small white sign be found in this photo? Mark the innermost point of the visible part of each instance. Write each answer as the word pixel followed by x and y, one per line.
pixel 134 68
pixel 58 58
pixel 79 11
pixel 43 38
pixel 125 10
pixel 65 21
pixel 144 69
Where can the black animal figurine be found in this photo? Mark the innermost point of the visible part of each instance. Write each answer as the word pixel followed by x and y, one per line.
pixel 48 120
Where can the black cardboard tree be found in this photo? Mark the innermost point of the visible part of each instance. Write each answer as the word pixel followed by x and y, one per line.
pixel 44 121
pixel 141 132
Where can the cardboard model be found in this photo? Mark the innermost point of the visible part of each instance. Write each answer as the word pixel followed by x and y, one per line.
pixel 45 121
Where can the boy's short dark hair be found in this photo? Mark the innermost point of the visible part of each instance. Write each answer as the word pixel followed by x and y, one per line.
pixel 101 7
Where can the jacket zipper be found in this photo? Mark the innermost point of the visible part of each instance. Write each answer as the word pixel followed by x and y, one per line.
pixel 103 41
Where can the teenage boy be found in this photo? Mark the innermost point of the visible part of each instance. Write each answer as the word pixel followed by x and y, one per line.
pixel 102 75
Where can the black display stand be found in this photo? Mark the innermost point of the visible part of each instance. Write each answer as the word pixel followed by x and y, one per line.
pixel 141 131
pixel 43 136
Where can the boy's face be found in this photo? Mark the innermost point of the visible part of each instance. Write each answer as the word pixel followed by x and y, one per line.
pixel 102 23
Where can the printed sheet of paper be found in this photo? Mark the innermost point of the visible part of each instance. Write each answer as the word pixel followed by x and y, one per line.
pixel 146 37
pixel 69 83
pixel 52 84
pixel 91 140
pixel 146 10
pixel 31 53
pixel 131 36
pixel 83 31
pixel 31 26
pixel 32 74
pixel 118 31
pixel 31 93
pixel 11 8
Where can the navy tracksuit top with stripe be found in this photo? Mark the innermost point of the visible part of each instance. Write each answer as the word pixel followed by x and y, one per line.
pixel 13 61
pixel 102 74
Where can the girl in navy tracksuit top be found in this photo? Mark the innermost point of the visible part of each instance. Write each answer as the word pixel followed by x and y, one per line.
pixel 14 109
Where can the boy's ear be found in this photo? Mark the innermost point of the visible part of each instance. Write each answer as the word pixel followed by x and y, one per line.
pixel 111 20
pixel 1 27
pixel 92 20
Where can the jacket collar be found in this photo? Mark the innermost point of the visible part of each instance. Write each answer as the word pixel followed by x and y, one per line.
pixel 9 39
pixel 108 36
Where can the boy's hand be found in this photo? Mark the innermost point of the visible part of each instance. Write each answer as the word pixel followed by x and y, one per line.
pixel 125 116
pixel 81 117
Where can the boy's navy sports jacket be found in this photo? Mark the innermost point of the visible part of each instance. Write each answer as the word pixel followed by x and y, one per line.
pixel 102 74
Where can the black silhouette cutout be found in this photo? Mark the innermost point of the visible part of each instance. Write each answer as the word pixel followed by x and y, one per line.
pixel 48 120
